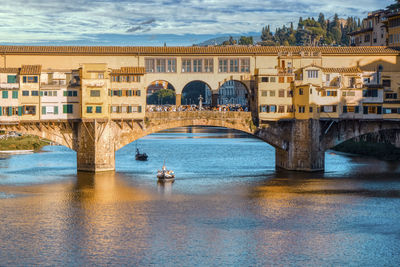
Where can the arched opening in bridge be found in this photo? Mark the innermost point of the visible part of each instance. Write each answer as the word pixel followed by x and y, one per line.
pixel 233 93
pixel 160 92
pixel 192 91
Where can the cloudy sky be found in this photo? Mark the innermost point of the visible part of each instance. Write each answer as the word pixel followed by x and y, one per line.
pixel 153 22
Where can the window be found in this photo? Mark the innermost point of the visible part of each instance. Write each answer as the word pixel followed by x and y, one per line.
pixel 11 78
pixel 94 93
pixel 344 109
pixel 391 96
pixel 281 79
pixel 391 110
pixel 281 93
pixel 301 91
pixel 138 92
pixel 234 65
pixel 89 109
pixel 14 94
pixel 5 94
pixel 290 109
pixel 100 76
pixel 68 109
pixel 367 38
pixel 208 65
pixel 370 93
pixel 197 66
pixel 289 79
pixel 30 110
pixel 302 109
pixel 312 74
pixel 70 93
pixel 98 109
pixel 25 93
pixel 34 93
pixel 281 109
pixel 311 109
pixel 289 93
pixel 329 108
pixel 328 77
pixel 171 67
pixel 160 65
pixel 149 64
pixel 30 79
pixel 272 93
pixel 244 65
pixel 264 79
pixel 386 83
pixel 223 65
pixel 272 108
pixel 264 93
pixel 186 65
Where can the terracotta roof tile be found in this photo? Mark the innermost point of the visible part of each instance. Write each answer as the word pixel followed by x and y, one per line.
pixel 193 50
pixel 129 70
pixel 9 70
pixel 343 70
pixel 31 69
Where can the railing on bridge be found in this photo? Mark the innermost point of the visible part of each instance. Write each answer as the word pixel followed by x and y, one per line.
pixel 215 115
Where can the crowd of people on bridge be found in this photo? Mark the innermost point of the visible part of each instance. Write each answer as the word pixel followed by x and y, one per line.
pixel 183 108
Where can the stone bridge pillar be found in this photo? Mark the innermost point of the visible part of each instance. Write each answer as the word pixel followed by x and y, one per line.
pixel 95 146
pixel 304 151
pixel 214 98
pixel 178 99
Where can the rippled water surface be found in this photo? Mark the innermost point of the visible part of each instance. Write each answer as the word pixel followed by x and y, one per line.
pixel 228 206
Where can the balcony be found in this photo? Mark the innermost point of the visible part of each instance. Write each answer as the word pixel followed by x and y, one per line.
pixel 53 85
pixel 9 85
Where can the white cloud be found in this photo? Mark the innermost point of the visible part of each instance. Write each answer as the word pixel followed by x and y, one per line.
pixel 59 20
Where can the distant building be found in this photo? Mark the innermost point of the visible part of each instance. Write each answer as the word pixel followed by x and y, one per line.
pixel 373 31
pixel 393 23
pixel 232 92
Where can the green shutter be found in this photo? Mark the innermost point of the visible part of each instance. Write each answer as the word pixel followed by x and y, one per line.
pixel 129 109
pixel 41 93
pixel 138 92
pixel 65 109
pixel 20 111
pixel 1 109
pixel 14 94
pixel 9 111
pixel 120 93
pixel 71 109
pixel 43 110
pixel 65 93
pixel 24 79
pixel 56 110
pixel 5 94
pixel 140 109
pixel 75 93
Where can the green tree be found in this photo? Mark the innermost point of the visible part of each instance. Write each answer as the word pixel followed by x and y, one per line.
pixel 244 40
pixel 162 96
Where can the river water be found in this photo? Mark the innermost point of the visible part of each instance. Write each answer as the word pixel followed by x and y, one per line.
pixel 227 207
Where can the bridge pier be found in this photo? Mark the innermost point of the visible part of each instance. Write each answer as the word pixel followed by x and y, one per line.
pixel 304 151
pixel 95 146
pixel 178 100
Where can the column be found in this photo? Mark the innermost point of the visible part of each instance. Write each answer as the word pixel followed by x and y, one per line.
pixel 214 98
pixel 304 152
pixel 178 100
pixel 95 146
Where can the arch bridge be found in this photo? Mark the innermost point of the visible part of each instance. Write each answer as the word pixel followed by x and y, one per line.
pixel 300 144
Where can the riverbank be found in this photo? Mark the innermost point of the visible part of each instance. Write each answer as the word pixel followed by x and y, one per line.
pixel 382 151
pixel 22 143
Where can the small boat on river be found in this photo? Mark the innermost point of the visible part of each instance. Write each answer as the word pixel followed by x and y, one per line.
pixel 140 156
pixel 165 175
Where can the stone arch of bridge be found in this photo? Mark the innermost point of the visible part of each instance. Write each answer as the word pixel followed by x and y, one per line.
pixel 246 87
pixel 244 124
pixel 59 134
pixel 244 83
pixel 347 130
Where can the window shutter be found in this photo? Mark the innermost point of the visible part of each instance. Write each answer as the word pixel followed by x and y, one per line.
pixel 19 111
pixel 379 110
pixel 15 94
pixel 43 110
pixel 9 111
pixel 65 93
pixel 365 110
pixel 138 92
pixel 120 93
pixel 129 109
pixel 65 109
pixel 24 79
pixel 1 109
pixel 5 94
pixel 357 109
pixel 35 79
pixel 344 109
pixel 140 109
pixel 41 93
pixel 56 110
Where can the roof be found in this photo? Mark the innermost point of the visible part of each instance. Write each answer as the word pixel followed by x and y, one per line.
pixel 193 50
pixel 129 70
pixel 343 70
pixel 9 70
pixel 361 31
pixel 31 69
